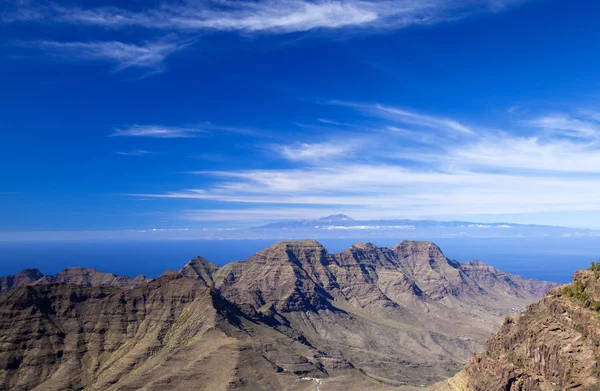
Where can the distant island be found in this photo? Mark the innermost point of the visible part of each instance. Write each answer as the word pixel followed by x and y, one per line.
pixel 335 226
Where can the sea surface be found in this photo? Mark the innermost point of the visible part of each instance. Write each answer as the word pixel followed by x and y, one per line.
pixel 552 259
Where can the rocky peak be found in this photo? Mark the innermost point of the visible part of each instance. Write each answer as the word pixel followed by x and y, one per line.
pixel 367 254
pixel 91 277
pixel 436 275
pixel 82 276
pixel 363 246
pixel 201 269
pixel 419 246
pixel 33 274
pixel 304 253
pixel 24 277
pixel 287 276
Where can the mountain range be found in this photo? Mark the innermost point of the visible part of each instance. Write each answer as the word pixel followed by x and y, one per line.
pixel 293 317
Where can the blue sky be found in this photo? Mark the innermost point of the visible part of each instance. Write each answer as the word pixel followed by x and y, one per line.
pixel 225 113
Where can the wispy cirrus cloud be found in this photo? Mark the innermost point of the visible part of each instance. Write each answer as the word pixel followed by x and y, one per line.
pixel 481 171
pixel 527 156
pixel 274 16
pixel 173 25
pixel 411 118
pixel 407 117
pixel 149 54
pixel 399 192
pixel 585 127
pixel 156 131
pixel 315 152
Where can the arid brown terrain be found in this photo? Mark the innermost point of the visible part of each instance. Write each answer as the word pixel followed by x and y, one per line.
pixel 291 317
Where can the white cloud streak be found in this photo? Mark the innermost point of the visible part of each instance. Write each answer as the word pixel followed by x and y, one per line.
pixel 534 154
pixel 137 152
pixel 315 152
pixel 560 124
pixel 156 131
pixel 149 55
pixel 411 118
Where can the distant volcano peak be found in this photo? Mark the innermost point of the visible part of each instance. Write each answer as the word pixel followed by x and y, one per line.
pixel 336 217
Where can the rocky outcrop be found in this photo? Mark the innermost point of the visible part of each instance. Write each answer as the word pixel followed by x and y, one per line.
pixel 502 282
pixel 554 345
pixel 72 275
pixel 201 269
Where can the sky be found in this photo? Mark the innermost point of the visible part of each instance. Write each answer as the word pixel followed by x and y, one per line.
pixel 173 115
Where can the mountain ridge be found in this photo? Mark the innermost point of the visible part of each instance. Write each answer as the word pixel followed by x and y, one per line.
pixel 412 283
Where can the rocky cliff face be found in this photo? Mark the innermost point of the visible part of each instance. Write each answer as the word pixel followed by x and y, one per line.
pixel 365 318
pixel 72 275
pixel 554 345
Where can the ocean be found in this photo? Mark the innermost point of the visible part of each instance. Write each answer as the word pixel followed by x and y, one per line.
pixel 552 259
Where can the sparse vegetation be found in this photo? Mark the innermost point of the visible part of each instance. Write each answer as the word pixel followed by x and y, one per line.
pixel 578 292
pixel 595 267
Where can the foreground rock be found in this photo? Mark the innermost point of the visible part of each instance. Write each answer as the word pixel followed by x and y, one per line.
pixel 368 318
pixel 554 345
